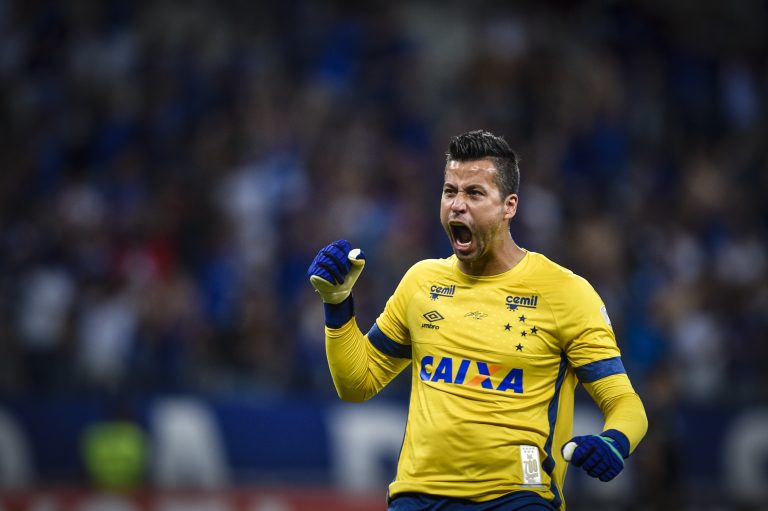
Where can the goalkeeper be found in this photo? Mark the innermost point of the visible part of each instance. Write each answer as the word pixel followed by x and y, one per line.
pixel 498 338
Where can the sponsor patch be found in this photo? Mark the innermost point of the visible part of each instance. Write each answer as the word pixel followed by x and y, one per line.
pixel 528 302
pixel 440 290
pixel 531 466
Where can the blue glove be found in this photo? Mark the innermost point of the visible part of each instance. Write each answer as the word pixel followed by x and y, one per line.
pixel 601 456
pixel 332 273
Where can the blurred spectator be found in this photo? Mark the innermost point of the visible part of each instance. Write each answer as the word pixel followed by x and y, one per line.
pixel 44 321
pixel 106 334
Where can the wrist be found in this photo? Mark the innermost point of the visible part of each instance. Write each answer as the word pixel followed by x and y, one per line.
pixel 338 314
pixel 620 440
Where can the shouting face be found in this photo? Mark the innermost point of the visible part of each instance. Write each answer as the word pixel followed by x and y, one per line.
pixel 473 213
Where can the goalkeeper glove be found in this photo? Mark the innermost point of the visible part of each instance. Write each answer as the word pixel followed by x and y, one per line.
pixel 332 273
pixel 601 456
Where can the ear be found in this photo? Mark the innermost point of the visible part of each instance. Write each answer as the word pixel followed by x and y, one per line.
pixel 510 206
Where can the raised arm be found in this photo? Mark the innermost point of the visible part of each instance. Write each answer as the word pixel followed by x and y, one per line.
pixel 359 369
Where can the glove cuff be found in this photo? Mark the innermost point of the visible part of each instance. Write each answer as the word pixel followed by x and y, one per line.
pixel 620 440
pixel 338 314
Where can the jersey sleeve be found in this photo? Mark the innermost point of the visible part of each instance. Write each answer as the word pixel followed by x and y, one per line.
pixel 392 324
pixel 621 406
pixel 359 369
pixel 361 365
pixel 586 332
pixel 590 345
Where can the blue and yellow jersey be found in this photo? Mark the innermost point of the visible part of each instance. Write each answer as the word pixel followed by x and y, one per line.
pixel 495 363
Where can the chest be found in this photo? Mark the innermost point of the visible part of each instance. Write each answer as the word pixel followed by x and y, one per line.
pixel 486 321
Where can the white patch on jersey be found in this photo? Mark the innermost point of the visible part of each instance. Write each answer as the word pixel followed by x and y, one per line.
pixel 530 464
pixel 604 312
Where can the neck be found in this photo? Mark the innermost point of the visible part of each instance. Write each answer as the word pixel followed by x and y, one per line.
pixel 496 262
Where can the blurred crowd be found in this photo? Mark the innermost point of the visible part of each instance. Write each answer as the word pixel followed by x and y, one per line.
pixel 169 170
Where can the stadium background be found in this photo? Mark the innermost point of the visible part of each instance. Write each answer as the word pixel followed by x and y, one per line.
pixel 169 169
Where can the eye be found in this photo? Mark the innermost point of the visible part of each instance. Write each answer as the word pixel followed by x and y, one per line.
pixel 449 192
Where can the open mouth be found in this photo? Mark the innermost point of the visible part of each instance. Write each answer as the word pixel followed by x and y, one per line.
pixel 461 234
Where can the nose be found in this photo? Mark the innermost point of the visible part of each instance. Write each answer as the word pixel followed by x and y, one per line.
pixel 459 205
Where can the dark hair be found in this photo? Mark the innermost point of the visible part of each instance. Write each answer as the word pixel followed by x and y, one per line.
pixel 480 145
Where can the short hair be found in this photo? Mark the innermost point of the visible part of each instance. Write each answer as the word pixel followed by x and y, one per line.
pixel 480 145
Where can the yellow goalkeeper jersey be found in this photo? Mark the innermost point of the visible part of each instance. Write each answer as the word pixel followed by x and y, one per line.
pixel 495 362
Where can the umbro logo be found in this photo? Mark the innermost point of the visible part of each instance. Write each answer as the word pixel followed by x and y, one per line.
pixel 432 316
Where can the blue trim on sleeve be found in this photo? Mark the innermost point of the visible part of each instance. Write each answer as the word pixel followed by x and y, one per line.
pixel 549 462
pixel 338 314
pixel 600 369
pixel 386 345
pixel 620 439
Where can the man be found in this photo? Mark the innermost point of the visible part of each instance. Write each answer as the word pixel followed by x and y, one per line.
pixel 498 338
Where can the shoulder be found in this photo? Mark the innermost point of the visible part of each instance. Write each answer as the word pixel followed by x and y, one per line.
pixel 571 298
pixel 428 268
pixel 425 273
pixel 556 281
